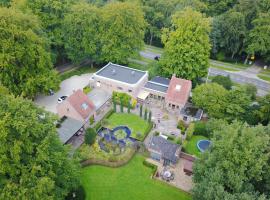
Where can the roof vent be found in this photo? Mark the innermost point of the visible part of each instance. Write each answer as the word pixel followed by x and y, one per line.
pixel 113 72
pixel 84 106
pixel 133 73
pixel 178 87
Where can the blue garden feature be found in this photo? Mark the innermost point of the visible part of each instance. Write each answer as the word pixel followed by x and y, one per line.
pixel 120 136
pixel 203 145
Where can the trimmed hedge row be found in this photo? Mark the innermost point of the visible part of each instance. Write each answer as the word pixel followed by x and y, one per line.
pixel 150 165
pixel 147 131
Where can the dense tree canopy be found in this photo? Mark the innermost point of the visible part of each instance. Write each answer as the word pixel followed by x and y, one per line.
pixel 221 103
pixel 25 61
pixel 51 14
pixel 122 31
pixel 237 165
pixel 33 162
pixel 82 32
pixel 229 33
pixel 187 47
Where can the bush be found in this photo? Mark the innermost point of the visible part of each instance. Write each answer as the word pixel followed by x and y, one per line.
pixel 225 81
pixel 91 120
pixel 156 133
pixel 90 136
pixel 119 97
pixel 133 102
pixel 200 128
pixel 190 131
pixel 171 138
pixel 86 89
pixel 182 126
pixel 221 56
pixel 179 141
pixel 251 90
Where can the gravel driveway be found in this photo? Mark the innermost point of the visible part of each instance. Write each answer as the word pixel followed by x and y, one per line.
pixel 66 88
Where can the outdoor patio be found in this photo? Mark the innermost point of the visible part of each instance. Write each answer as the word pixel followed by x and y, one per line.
pixel 180 180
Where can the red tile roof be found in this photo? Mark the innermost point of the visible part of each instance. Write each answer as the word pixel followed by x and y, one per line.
pixel 178 91
pixel 81 103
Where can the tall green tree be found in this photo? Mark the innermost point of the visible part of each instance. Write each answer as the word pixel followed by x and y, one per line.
pixel 236 166
pixel 51 14
pixel 221 103
pixel 122 31
pixel 34 164
pixel 259 36
pixel 230 33
pixel 25 62
pixel 82 33
pixel 187 46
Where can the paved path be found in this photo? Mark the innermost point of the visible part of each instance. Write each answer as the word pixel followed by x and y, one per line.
pixel 66 88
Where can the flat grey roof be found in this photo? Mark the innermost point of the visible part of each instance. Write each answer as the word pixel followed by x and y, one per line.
pixel 99 97
pixel 68 128
pixel 161 80
pixel 121 73
pixel 155 86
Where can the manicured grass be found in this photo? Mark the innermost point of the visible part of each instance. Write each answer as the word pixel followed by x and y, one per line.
pixel 266 78
pixel 77 71
pixel 134 122
pixel 239 66
pixel 191 146
pixel 131 182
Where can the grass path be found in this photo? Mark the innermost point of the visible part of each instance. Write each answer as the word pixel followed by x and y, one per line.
pixel 130 182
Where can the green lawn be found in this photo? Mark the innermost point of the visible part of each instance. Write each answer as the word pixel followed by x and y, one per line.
pixel 223 68
pixel 134 122
pixel 130 182
pixel 266 78
pixel 153 49
pixel 191 146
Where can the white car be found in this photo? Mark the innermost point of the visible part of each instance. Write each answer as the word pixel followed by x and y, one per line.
pixel 61 99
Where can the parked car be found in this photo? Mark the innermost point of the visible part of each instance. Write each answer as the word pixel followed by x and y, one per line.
pixel 61 99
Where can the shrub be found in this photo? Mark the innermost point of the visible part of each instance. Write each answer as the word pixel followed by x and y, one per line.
pixel 156 133
pixel 200 128
pixel 91 120
pixel 121 97
pixel 225 81
pixel 133 102
pixel 90 136
pixel 182 126
pixel 179 141
pixel 171 138
pixel 87 89
pixel 145 114
pixel 150 116
pixel 129 107
pixel 251 90
pixel 221 56
pixel 141 110
pixel 190 131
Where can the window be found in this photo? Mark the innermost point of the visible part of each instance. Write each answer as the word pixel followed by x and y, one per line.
pixel 84 106
pixel 119 88
pixel 98 84
pixel 129 90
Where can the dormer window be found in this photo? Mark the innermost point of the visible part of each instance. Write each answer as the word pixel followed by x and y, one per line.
pixel 178 87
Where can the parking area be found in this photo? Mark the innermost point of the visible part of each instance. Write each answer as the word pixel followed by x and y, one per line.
pixel 66 88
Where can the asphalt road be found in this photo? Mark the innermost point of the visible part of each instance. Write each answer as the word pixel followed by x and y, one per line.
pixel 242 77
pixel 263 86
